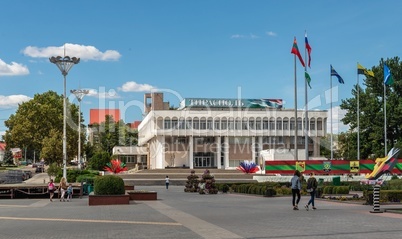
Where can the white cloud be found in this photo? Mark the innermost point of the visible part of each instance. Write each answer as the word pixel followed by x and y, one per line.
pixel 132 86
pixel 12 101
pixel 111 94
pixel 271 34
pixel 250 36
pixel 84 52
pixel 13 69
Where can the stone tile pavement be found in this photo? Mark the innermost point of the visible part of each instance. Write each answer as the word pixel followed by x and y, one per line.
pixel 185 215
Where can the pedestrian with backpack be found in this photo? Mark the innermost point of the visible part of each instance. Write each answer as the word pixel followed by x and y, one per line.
pixel 311 188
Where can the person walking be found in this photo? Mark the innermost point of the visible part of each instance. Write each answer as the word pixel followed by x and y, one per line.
pixel 50 189
pixel 69 192
pixel 167 182
pixel 311 188
pixel 296 187
pixel 62 188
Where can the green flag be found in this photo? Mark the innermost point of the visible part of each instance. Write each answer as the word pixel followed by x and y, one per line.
pixel 308 79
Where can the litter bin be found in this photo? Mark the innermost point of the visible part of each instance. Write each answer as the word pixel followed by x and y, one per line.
pixel 90 188
pixel 336 181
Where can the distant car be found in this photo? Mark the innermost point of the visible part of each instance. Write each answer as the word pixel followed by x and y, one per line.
pixel 40 169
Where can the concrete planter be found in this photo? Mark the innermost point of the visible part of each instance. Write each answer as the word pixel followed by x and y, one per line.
pixel 128 187
pixel 142 195
pixel 95 200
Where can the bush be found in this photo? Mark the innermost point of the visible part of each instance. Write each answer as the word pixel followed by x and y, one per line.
pixel 109 185
pixel 328 189
pixel 341 190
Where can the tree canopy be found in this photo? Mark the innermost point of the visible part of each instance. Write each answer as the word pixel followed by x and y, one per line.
pixel 38 125
pixel 371 108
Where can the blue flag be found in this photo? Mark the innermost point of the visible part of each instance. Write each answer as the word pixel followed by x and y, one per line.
pixel 387 76
pixel 334 73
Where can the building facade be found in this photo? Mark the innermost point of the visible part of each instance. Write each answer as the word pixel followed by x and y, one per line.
pixel 221 133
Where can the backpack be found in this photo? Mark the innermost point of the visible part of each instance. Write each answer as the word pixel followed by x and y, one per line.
pixel 311 184
pixel 51 186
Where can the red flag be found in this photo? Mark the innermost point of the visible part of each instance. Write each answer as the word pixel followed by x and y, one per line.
pixel 308 47
pixel 295 50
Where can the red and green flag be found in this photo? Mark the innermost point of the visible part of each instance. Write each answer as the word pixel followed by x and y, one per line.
pixel 296 52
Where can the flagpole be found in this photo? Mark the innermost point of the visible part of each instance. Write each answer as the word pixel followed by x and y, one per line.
pixel 358 116
pixel 385 120
pixel 330 80
pixel 306 124
pixel 296 128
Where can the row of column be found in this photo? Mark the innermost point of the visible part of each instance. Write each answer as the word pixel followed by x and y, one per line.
pixel 157 153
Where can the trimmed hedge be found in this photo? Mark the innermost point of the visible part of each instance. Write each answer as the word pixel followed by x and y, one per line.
pixel 109 185
pixel 336 190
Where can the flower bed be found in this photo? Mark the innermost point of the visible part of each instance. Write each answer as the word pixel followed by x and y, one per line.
pixel 95 200
pixel 142 195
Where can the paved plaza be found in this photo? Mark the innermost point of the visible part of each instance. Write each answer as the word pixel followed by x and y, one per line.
pixel 177 214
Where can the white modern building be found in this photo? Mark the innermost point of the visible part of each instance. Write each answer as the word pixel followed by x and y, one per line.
pixel 221 133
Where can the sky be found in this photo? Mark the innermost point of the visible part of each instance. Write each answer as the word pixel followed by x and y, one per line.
pixel 191 49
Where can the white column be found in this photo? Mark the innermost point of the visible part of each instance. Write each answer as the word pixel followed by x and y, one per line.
pixel 160 152
pixel 226 152
pixel 218 152
pixel 190 152
pixel 253 153
pixel 260 143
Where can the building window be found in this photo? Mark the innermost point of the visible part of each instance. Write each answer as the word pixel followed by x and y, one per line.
pixel 230 124
pixel 258 124
pixel 251 123
pixel 244 125
pixel 265 124
pixel 209 124
pixel 182 124
pixel 188 123
pixel 271 124
pixel 196 124
pixel 285 124
pixel 174 124
pixel 299 124
pixel 224 124
pixel 292 124
pixel 217 124
pixel 203 124
pixel 238 124
pixel 319 125
pixel 167 124
pixel 312 124
pixel 279 124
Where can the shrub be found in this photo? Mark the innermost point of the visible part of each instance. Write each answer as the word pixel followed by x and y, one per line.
pixel 109 185
pixel 328 189
pixel 341 190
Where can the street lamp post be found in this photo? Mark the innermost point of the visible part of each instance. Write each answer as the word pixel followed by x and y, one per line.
pixel 64 64
pixel 79 94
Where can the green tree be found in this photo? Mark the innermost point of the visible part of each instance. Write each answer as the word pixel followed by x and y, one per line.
pixel 52 149
pixel 8 157
pixel 113 134
pixel 371 105
pixel 99 160
pixel 35 119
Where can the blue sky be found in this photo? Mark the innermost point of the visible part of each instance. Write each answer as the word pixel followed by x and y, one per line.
pixel 190 49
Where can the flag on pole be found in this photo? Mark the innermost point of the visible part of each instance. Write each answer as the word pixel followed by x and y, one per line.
pixel 295 50
pixel 334 73
pixel 308 47
pixel 363 71
pixel 387 76
pixel 308 79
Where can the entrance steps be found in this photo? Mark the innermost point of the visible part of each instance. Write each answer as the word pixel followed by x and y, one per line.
pixel 178 176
